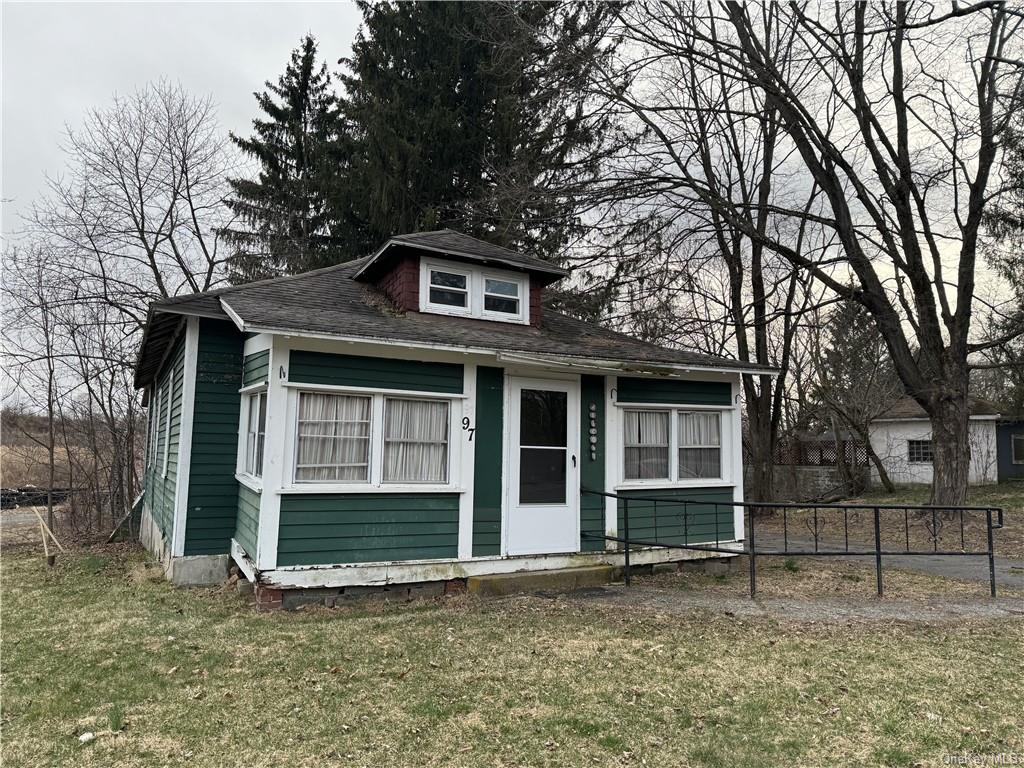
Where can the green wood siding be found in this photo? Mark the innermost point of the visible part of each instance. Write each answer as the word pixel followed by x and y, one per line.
pixel 256 368
pixel 592 470
pixel 213 490
pixel 668 526
pixel 374 372
pixel 317 529
pixel 247 521
pixel 488 441
pixel 160 485
pixel 673 391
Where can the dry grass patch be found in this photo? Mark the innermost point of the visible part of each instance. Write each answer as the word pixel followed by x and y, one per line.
pixel 201 679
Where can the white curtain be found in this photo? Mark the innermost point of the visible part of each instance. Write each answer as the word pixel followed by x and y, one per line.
pixel 333 438
pixel 257 430
pixel 415 441
pixel 700 441
pixel 646 444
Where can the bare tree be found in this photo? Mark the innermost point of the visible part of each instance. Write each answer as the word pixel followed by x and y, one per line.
pixel 893 113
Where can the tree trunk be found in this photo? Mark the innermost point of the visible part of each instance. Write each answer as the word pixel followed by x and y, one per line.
pixel 883 476
pixel 762 468
pixel 952 451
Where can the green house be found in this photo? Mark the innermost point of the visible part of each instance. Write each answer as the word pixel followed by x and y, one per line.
pixel 419 416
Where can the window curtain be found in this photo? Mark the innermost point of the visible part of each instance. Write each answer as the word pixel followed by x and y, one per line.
pixel 646 445
pixel 256 432
pixel 333 438
pixel 415 441
pixel 700 441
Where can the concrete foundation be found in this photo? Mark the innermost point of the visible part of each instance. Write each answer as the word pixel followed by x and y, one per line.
pixel 531 581
pixel 197 570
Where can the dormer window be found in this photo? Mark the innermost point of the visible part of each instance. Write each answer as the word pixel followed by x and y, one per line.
pixel 448 288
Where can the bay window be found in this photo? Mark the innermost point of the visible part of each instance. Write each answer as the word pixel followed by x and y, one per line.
pixel 672 445
pixel 371 439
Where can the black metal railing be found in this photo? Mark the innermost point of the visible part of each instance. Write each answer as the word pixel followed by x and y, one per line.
pixel 867 530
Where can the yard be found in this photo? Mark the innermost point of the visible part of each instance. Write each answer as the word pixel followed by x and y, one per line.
pixel 170 677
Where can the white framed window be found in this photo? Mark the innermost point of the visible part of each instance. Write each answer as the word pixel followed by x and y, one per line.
pixel 673 445
pixel 372 439
pixel 1017 449
pixel 154 421
pixel 255 433
pixel 448 288
pixel 920 452
pixel 166 402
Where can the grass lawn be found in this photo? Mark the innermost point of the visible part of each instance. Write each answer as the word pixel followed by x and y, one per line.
pixel 198 678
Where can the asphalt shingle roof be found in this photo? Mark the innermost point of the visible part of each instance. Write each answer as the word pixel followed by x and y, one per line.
pixel 909 408
pixel 330 302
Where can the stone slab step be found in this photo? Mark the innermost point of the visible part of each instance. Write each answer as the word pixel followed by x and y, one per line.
pixel 563 579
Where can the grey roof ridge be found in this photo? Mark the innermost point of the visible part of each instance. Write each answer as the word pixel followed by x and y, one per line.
pixel 403 239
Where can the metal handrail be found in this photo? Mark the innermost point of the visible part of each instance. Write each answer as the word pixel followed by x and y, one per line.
pixel 993 521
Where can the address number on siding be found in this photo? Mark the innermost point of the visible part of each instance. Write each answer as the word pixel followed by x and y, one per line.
pixel 467 428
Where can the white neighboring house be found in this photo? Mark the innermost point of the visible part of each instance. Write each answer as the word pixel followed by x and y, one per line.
pixel 902 438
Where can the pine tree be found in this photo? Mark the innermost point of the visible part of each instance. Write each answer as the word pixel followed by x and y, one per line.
pixel 283 219
pixel 473 116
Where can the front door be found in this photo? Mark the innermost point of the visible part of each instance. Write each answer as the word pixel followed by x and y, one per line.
pixel 542 510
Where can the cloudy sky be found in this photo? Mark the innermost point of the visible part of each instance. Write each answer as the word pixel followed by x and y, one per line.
pixel 60 59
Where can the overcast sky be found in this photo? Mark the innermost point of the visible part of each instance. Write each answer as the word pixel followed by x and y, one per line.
pixel 59 59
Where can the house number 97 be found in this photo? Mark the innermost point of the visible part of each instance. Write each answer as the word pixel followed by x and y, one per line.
pixel 467 428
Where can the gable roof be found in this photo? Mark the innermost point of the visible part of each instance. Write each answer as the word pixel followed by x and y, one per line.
pixel 448 242
pixel 908 408
pixel 329 302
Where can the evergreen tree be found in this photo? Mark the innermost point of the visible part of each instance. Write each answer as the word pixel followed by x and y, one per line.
pixel 283 221
pixel 474 116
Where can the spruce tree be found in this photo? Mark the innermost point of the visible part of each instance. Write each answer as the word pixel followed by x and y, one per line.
pixel 283 220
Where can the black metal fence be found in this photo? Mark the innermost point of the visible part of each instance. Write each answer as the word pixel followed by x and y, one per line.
pixel 808 530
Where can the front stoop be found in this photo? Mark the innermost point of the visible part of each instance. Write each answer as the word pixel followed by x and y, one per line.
pixel 562 580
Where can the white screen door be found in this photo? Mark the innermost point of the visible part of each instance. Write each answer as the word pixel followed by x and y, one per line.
pixel 543 495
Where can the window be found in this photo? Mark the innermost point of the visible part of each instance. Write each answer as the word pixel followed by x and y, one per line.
pixel 372 439
pixel 154 426
pixel 1017 449
pixel 672 444
pixel 700 444
pixel 415 441
pixel 920 451
pixel 450 289
pixel 165 402
pixel 255 434
pixel 646 445
pixel 333 438
pixel 501 296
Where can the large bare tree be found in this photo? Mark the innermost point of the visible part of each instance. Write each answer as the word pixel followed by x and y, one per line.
pixel 892 113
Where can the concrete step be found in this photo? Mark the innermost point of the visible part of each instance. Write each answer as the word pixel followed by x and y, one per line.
pixel 563 579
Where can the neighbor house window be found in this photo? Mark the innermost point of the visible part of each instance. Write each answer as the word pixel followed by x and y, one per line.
pixel 920 451
pixel 646 444
pixel 415 441
pixel 255 433
pixel 333 438
pixel 372 439
pixel 479 292
pixel 1017 449
pixel 166 402
pixel 672 444
pixel 154 422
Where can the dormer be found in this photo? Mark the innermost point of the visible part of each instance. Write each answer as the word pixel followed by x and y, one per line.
pixel 448 273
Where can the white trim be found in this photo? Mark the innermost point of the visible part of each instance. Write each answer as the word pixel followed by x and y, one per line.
pixel 612 426
pixel 727 470
pixel 252 483
pixel 312 486
pixel 234 316
pixel 250 388
pixel 167 421
pixel 188 398
pixel 243 561
pixel 661 484
pixel 411 571
pixel 341 389
pixel 926 420
pixel 275 461
pixel 676 406
pixel 261 342
pixel 737 461
pixel 632 368
pixel 467 460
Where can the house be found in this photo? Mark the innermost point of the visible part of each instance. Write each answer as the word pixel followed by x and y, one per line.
pixel 902 438
pixel 416 416
pixel 1010 449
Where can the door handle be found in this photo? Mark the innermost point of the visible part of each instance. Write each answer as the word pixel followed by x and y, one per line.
pixel 574 461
